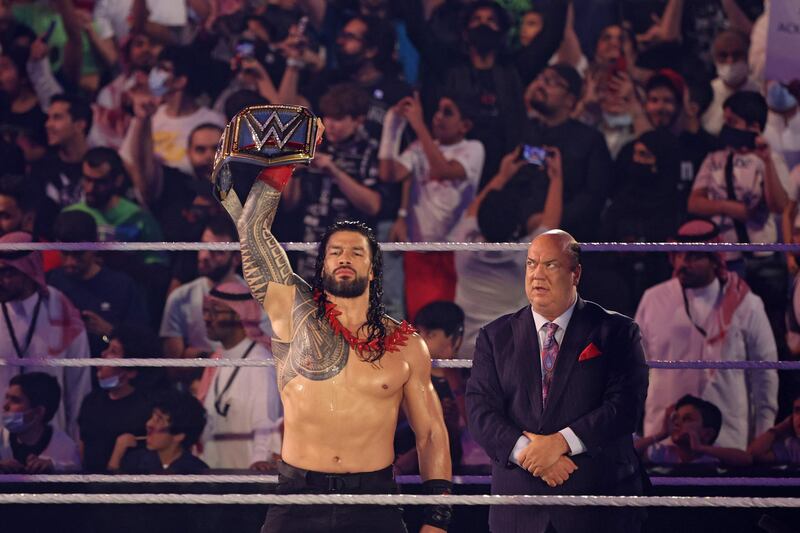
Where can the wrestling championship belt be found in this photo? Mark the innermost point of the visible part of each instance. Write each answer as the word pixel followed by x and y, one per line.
pixel 260 137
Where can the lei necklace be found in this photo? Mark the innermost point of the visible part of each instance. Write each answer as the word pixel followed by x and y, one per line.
pixel 392 342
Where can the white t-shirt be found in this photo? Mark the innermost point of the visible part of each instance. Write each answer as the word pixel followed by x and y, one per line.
pixel 748 184
pixel 61 450
pixel 784 137
pixel 714 118
pixel 490 283
pixel 112 16
pixel 435 206
pixel 171 136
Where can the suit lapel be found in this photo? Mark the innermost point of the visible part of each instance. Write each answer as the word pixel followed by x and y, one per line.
pixel 526 351
pixel 575 339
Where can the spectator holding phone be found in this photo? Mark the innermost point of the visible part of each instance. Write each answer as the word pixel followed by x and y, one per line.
pixel 552 97
pixel 487 280
pixel 738 186
pixel 441 173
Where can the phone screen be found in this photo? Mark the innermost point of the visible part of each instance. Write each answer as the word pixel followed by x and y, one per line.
pixel 245 49
pixel 535 155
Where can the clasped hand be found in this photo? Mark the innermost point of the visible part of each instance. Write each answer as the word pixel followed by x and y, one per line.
pixel 544 457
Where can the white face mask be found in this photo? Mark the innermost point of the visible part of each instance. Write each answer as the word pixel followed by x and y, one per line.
pixel 15 422
pixel 733 74
pixel 157 81
pixel 618 120
pixel 109 383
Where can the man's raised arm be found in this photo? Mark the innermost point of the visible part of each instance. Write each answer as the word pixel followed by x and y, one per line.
pixel 275 138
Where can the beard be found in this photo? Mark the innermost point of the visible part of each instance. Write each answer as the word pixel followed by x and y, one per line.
pixel 346 288
pixel 216 274
pixel 540 107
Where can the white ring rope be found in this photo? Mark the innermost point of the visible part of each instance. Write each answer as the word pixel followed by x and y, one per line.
pixel 245 479
pixel 437 363
pixel 405 246
pixel 399 499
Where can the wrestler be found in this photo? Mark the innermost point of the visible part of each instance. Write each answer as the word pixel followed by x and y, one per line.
pixel 344 369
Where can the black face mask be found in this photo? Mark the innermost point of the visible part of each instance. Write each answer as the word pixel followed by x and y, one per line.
pixel 737 139
pixel 484 38
pixel 350 62
pixel 641 172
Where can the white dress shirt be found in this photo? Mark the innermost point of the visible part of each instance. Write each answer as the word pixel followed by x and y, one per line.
pixel 576 445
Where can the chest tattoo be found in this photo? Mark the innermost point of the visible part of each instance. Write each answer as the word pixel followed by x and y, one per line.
pixel 316 351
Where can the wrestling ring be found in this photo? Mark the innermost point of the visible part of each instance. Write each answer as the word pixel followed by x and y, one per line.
pixel 734 497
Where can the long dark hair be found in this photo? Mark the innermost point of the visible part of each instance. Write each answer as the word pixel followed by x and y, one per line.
pixel 375 327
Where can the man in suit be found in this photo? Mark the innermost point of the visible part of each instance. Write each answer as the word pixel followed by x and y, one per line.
pixel 556 391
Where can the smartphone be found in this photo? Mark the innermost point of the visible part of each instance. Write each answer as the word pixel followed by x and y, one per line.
pixel 49 32
pixel 245 48
pixel 620 65
pixel 535 155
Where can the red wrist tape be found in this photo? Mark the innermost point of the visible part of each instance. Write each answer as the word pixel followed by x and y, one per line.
pixel 276 177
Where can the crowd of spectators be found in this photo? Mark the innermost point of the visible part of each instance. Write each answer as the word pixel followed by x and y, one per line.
pixel 445 120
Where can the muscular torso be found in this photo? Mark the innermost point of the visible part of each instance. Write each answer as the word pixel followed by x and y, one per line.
pixel 340 413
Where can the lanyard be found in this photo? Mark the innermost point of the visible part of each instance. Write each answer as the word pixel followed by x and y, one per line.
pixel 689 314
pixel 31 330
pixel 223 410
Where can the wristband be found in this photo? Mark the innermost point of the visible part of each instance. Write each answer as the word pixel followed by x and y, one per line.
pixel 295 63
pixel 263 142
pixel 438 515
pixel 276 177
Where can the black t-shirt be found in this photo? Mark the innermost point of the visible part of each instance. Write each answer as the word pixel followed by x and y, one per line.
pixel 143 461
pixel 112 295
pixel 21 451
pixel 101 420
pixel 587 169
pixel 60 183
pixel 694 149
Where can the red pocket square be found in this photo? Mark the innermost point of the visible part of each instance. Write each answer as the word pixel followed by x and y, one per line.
pixel 590 352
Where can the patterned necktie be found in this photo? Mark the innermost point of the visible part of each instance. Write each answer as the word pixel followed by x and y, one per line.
pixel 549 355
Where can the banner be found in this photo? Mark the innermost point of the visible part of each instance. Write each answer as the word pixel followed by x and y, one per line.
pixel 783 41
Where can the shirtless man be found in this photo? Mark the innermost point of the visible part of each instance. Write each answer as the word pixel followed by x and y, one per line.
pixel 344 369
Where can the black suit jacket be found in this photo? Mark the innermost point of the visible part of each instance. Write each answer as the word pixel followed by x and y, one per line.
pixel 601 399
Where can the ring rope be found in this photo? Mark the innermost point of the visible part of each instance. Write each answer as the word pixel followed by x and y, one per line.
pixel 667 481
pixel 399 499
pixel 437 363
pixel 405 246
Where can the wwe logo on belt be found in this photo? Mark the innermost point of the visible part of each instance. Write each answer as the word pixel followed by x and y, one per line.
pixel 273 129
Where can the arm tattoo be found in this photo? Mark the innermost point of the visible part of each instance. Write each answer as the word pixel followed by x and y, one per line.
pixel 263 258
pixel 315 352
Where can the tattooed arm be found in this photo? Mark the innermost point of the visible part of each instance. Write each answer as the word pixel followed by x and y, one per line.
pixel 264 262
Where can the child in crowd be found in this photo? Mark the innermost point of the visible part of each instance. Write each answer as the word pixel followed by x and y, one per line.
pixel 441 325
pixel 692 425
pixel 440 172
pixel 780 444
pixel 174 427
pixel 28 442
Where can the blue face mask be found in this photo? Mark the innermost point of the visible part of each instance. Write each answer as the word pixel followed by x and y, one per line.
pixel 15 422
pixel 623 120
pixel 780 99
pixel 157 81
pixel 109 383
